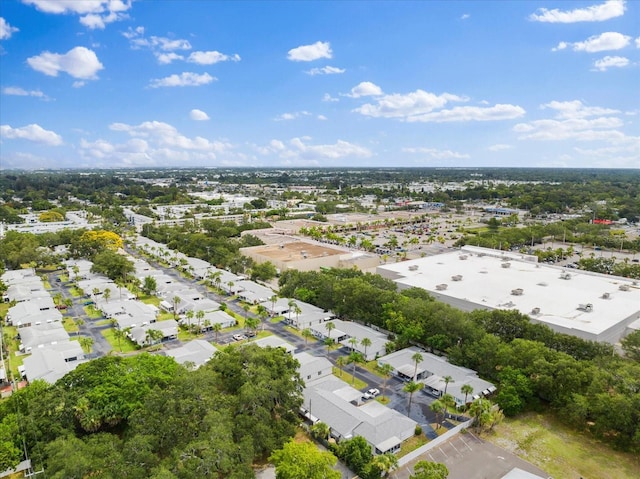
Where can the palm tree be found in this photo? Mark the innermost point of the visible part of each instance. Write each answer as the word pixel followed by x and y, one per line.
pixel 328 342
pixel 76 271
pixel 354 358
pixel 306 334
pixel 96 292
pixel 341 362
pixel 385 463
pixel 107 294
pixel 216 329
pixel 321 431
pixel 274 300
pixel 152 336
pixel 448 402
pixel 119 334
pixel 189 314
pixel 329 327
pixel 86 342
pixel 387 370
pixel 438 407
pixel 410 388
pixel 252 324
pixel 199 317
pixel 417 358
pixel 353 342
pixel 447 380
pixel 176 302
pixel 79 322
pixel 366 342
pixel 466 389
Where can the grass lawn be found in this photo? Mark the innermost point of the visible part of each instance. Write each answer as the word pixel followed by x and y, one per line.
pixel 276 319
pixel 75 292
pixel 12 345
pixel 92 313
pixel 348 378
pixel 561 451
pixel 126 344
pixel 412 444
pixel 70 325
pixel 184 335
pixel 154 300
pixel 165 316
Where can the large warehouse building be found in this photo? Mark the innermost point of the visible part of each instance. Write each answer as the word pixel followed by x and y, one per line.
pixel 588 305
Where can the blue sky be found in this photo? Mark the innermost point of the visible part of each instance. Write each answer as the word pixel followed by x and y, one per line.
pixel 117 83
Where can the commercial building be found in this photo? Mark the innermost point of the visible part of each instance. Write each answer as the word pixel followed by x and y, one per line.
pixel 588 305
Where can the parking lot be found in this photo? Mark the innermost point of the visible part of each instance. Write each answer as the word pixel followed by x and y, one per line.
pixel 468 456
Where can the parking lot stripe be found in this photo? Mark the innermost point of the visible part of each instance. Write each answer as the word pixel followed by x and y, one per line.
pixel 454 446
pixel 445 454
pixel 466 443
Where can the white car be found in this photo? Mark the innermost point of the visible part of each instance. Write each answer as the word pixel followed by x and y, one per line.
pixel 371 393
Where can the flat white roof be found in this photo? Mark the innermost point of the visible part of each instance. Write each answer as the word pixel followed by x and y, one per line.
pixel 486 283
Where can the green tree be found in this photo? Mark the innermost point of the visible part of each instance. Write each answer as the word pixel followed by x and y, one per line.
pixel 429 470
pixel 365 342
pixel 303 460
pixel 217 327
pixel 306 334
pixel 631 345
pixel 355 452
pixel 200 317
pixel 438 407
pixel 320 431
pixel 467 389
pixel 355 358
pixel 341 362
pixel 264 271
pixel 446 380
pixel 417 358
pixel 410 388
pixel 150 285
pixel 387 371
pixel 112 265
pixel 86 342
pixel 329 326
pixel 384 463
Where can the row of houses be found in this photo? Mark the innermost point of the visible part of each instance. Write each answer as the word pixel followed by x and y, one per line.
pixel 49 351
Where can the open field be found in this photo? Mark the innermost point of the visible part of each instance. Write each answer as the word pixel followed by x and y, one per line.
pixel 562 452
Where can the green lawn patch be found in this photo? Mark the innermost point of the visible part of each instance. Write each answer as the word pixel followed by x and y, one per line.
pixel 562 451
pixel 413 443
pixel 75 292
pixel 92 312
pixel 165 316
pixel 70 325
pixel 348 378
pixel 148 299
pixel 276 319
pixel 126 344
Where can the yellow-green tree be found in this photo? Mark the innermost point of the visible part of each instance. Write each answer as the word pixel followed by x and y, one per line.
pixel 50 216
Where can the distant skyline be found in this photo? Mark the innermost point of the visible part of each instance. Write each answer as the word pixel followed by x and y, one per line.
pixel 123 83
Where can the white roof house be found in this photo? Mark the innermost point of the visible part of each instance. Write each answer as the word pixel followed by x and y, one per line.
pixel 313 367
pixel 168 328
pixel 274 341
pixel 16 276
pixel 48 364
pixel 338 405
pixel 197 352
pixel 37 336
pixel 308 316
pixel 26 291
pixel 432 370
pixel 589 305
pixel 27 313
pixel 252 292
pixel 210 318
pixel 345 330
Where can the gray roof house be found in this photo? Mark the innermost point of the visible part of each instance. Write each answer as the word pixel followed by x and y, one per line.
pixel 338 405
pixel 345 330
pixel 197 352
pixel 48 364
pixel 168 328
pixel 274 341
pixel 308 316
pixel 432 370
pixel 33 337
pixel 313 367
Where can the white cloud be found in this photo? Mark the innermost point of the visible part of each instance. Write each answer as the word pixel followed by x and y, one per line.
pixel 154 43
pixel 595 13
pixel 329 98
pixel 624 155
pixel 153 143
pixel 93 13
pixel 598 43
pixel 6 30
pixel 299 151
pixel 184 79
pixel 608 62
pixel 322 118
pixel 471 113
pixel 465 16
pixel 17 91
pixel 602 128
pixel 576 109
pixel 499 147
pixel 33 132
pixel 328 70
pixel 437 154
pixel 166 58
pixel 291 116
pixel 398 105
pixel 211 57
pixel 365 88
pixel 78 84
pixel 198 115
pixel 79 62
pixel 638 42
pixel 308 53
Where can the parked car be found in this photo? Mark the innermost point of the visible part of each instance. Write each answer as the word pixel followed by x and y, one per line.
pixel 239 337
pixel 61 306
pixel 371 393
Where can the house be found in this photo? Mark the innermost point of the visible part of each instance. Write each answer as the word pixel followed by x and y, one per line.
pixel 275 342
pixel 38 336
pixel 252 292
pixel 277 308
pixel 49 364
pixel 313 367
pixel 432 370
pixel 82 265
pixel 29 313
pixel 343 333
pixel 167 329
pixel 307 315
pixel 199 268
pixel 196 352
pixel 17 276
pixel 26 291
pixel 335 403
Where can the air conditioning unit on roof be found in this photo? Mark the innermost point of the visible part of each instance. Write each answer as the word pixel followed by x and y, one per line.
pixel 517 292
